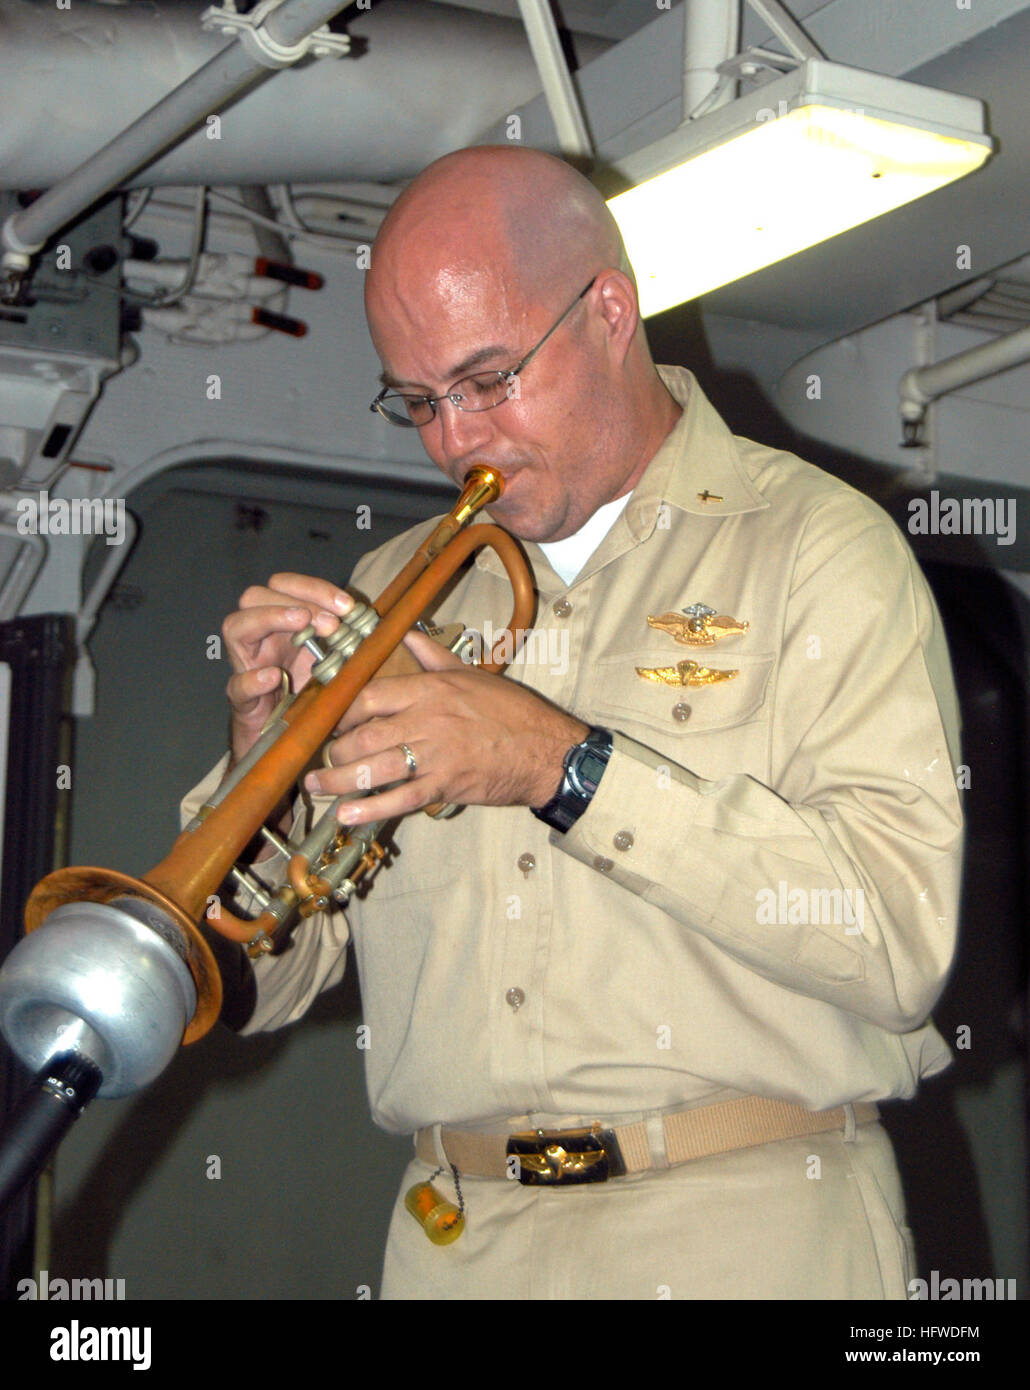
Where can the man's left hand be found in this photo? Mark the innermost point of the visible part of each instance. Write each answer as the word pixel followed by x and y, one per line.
pixel 477 740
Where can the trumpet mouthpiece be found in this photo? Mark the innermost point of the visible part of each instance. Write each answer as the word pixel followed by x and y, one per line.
pixel 482 486
pixel 484 476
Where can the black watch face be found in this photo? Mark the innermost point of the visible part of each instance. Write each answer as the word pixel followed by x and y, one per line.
pixel 585 772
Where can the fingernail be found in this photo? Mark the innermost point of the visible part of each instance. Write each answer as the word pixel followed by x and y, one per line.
pixel 343 603
pixel 347 815
pixel 294 613
pixel 312 782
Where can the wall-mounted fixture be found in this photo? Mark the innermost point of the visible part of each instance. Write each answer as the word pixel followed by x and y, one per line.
pixel 800 159
pixel 921 386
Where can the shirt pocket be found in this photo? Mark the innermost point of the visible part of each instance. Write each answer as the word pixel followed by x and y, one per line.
pixel 715 729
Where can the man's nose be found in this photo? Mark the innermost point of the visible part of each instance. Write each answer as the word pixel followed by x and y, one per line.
pixel 461 431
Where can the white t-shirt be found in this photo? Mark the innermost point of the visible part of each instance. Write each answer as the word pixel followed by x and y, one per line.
pixel 568 557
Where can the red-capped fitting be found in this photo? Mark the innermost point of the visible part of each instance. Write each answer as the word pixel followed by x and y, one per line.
pixel 280 322
pixel 288 274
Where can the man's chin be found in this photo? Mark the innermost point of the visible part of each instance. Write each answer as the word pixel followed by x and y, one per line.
pixel 522 513
pixel 523 524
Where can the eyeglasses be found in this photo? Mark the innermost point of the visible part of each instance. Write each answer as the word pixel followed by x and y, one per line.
pixel 480 391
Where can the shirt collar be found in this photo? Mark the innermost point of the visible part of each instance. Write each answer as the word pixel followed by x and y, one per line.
pixel 697 469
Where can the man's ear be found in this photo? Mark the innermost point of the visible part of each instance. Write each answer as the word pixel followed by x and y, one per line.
pixel 620 310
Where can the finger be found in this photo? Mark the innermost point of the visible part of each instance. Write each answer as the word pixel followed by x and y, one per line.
pixel 263 636
pixel 249 690
pixel 382 788
pixel 253 695
pixel 314 593
pixel 430 655
pixel 378 701
pixel 349 770
pixel 398 801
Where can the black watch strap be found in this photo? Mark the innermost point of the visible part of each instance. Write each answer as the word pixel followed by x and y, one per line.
pixel 583 768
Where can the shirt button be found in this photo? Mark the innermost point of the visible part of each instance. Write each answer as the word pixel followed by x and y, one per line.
pixel 562 608
pixel 527 863
pixel 602 865
pixel 623 840
pixel 515 998
pixel 681 712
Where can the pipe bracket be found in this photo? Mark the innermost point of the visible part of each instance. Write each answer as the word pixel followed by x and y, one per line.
pixel 263 48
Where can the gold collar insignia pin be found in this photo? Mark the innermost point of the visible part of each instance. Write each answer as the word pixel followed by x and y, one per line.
pixel 701 627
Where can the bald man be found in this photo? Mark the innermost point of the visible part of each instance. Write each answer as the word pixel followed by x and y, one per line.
pixel 637 1002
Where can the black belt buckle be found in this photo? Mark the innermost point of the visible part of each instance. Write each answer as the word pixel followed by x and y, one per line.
pixel 564 1157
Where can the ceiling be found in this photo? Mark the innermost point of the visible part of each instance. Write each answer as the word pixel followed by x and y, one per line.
pixel 608 19
pixel 430 81
pixel 910 256
pixel 632 96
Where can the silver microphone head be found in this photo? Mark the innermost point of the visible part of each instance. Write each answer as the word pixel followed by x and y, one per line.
pixel 106 980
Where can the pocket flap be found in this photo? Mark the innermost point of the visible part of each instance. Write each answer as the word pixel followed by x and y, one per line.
pixel 716 704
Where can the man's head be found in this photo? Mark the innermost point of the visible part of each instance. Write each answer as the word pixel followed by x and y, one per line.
pixel 473 265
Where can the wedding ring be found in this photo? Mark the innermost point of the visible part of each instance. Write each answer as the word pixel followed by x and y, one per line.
pixel 410 759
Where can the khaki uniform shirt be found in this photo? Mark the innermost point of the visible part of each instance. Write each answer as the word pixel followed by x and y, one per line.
pixel 761 897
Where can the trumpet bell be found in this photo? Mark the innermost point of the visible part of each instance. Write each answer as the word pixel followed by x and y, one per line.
pixel 106 980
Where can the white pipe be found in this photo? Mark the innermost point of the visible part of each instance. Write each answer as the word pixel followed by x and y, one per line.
pixel 952 301
pixel 328 209
pixel 922 385
pixel 231 71
pixel 711 34
pixel 270 244
pixel 431 78
pixel 786 29
pixel 336 242
pixel 23 571
pixel 116 558
pixel 977 318
pixel 559 92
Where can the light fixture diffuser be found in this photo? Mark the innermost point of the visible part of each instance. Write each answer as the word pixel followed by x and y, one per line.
pixel 801 159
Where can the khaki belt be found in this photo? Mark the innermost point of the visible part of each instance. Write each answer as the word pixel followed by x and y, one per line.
pixel 569 1157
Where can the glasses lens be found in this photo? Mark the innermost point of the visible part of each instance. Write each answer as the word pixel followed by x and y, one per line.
pixel 406 410
pixel 480 392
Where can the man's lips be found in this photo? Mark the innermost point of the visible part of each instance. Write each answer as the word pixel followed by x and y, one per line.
pixel 506 477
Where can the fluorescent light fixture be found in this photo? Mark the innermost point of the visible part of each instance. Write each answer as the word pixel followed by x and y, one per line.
pixel 797 161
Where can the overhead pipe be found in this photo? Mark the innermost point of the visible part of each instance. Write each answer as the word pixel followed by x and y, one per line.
pixel 425 79
pixel 787 29
pixel 269 243
pixel 984 321
pixel 711 39
pixel 255 52
pixel 560 94
pixel 921 386
pixel 954 301
pixel 22 572
pixel 711 34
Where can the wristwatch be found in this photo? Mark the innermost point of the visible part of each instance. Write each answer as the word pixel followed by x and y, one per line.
pixel 584 766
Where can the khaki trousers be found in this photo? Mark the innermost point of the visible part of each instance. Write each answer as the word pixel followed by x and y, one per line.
pixel 821 1217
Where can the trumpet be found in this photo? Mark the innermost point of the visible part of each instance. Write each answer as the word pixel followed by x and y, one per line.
pixel 114 972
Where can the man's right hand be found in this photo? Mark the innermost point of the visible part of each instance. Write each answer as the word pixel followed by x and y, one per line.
pixel 258 641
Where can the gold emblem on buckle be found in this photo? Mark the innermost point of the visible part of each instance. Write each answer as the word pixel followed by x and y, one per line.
pixel 565 1157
